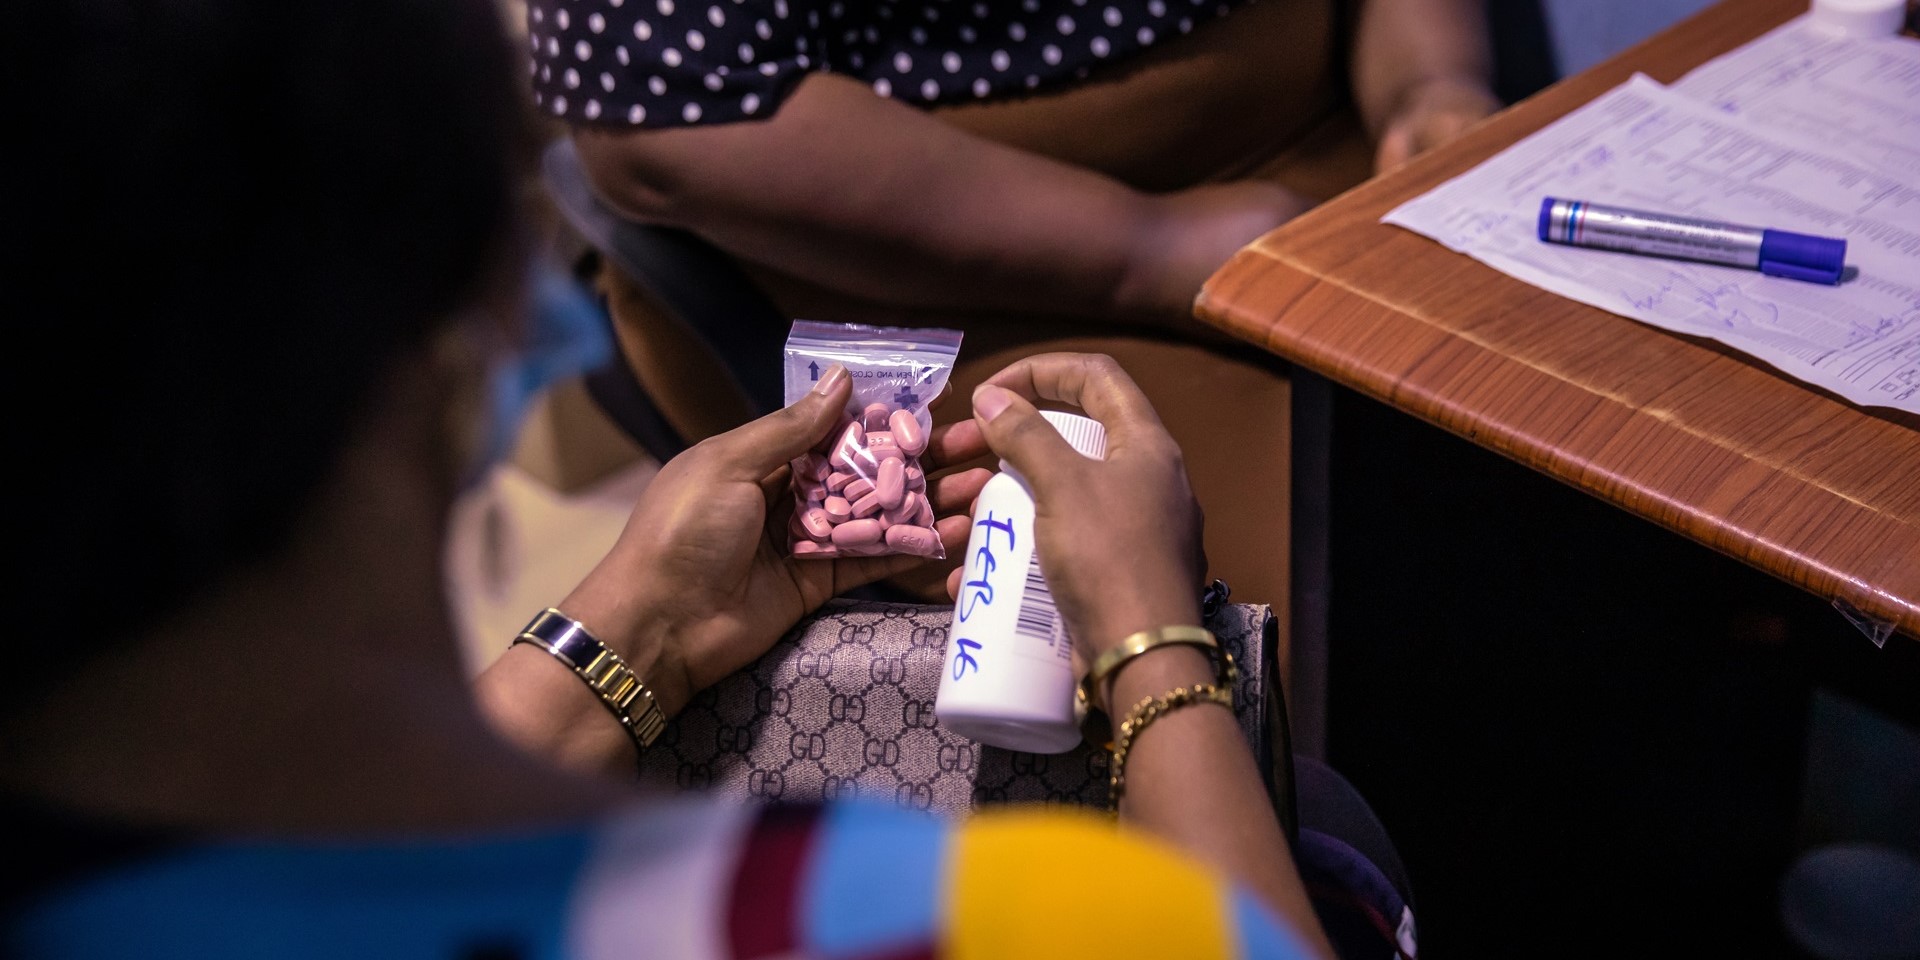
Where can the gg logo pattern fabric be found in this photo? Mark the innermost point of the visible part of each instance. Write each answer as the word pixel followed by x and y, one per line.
pixel 842 708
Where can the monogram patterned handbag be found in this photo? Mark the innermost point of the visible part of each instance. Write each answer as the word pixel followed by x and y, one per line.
pixel 842 707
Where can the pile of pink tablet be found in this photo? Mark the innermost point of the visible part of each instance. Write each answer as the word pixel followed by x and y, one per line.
pixel 865 494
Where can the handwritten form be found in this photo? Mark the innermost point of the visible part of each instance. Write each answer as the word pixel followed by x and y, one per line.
pixel 1647 146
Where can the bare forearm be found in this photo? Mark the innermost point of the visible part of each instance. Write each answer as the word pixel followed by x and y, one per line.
pixel 1402 44
pixel 1191 780
pixel 880 201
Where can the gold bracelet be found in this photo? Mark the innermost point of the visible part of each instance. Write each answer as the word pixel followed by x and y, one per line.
pixel 1144 714
pixel 1110 662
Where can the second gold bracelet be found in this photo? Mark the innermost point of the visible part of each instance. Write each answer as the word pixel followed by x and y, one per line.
pixel 1143 715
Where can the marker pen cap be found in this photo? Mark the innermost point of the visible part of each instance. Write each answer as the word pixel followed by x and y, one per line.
pixel 1800 256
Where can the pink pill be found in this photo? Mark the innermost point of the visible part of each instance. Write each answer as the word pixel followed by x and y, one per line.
pixel 812 491
pixel 882 446
pixel 855 532
pixel 891 483
pixel 860 487
pixel 907 512
pixel 867 506
pixel 926 513
pixel 850 449
pixel 838 509
pixel 907 432
pixel 837 481
pixel 875 416
pixel 817 524
pixel 797 529
pixel 916 477
pixel 807 548
pixel 919 541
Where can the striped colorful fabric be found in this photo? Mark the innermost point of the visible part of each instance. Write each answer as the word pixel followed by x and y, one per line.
pixel 683 880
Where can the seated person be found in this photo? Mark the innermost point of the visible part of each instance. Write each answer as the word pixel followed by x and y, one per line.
pixel 236 723
pixel 1047 175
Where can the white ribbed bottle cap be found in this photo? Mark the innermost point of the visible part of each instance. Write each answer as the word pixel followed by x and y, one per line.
pixel 1860 18
pixel 1085 434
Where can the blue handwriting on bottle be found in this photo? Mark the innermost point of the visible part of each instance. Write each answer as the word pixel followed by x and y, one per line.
pixel 978 591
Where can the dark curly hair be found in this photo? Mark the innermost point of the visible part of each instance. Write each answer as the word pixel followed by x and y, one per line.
pixel 227 221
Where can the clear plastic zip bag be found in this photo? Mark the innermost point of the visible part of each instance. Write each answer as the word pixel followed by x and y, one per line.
pixel 862 491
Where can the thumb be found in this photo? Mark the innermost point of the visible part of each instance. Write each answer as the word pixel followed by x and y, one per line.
pixel 758 448
pixel 1396 148
pixel 1016 432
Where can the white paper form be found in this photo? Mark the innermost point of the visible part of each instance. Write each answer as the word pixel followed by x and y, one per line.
pixel 1644 146
pixel 1860 96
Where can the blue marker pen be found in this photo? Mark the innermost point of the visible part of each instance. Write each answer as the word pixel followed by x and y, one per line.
pixel 1776 253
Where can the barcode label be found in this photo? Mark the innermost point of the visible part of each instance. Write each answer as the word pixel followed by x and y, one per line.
pixel 1038 620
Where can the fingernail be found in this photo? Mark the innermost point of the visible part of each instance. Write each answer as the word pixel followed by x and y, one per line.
pixel 989 401
pixel 830 380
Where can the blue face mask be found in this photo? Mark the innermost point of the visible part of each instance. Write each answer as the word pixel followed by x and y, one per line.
pixel 568 335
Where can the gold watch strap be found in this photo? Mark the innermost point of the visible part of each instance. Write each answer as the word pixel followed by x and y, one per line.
pixel 606 674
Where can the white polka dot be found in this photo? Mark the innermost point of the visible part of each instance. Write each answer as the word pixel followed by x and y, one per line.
pixel 690 112
pixel 951 61
pixel 813 19
pixel 882 87
pixel 593 109
pixel 1031 6
pixel 780 9
pixel 1156 8
pixel 657 86
pixel 1112 16
pixel 856 60
pixel 539 98
pixel 1145 36
pixel 1017 31
pixel 929 89
pixel 670 57
pixel 665 7
pixel 902 62
pixel 553 47
pixel 571 78
pixel 642 31
pixel 534 39
pixel 1064 25
pixel 606 82
pixel 546 73
pixel 560 19
pixel 769 68
pixel 1001 61
pixel 721 70
pixel 1051 54
pixel 980 10
pixel 1186 25
pixel 636 113
pixel 596 23
pixel 802 61
pixel 932 14
pixel 559 104
pixel 616 3
pixel 620 54
pixel 716 17
pixel 873 34
pixel 967 34
pixel 837 10
pixel 1100 46
pixel 746 53
pixel 713 82
pixel 539 16
pixel 850 36
pixel 696 40
pixel 750 103
pixel 583 50
pixel 1032 82
pixel 918 36
pixel 981 87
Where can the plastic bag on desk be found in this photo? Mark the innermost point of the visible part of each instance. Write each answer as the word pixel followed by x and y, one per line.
pixel 862 491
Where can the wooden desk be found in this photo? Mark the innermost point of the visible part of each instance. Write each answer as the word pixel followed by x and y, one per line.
pixel 1681 431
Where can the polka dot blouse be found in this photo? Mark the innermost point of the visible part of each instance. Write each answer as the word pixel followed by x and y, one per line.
pixel 670 63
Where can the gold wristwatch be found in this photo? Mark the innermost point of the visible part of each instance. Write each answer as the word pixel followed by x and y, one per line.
pixel 609 676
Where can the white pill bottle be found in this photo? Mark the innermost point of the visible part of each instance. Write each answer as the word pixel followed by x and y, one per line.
pixel 1008 678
